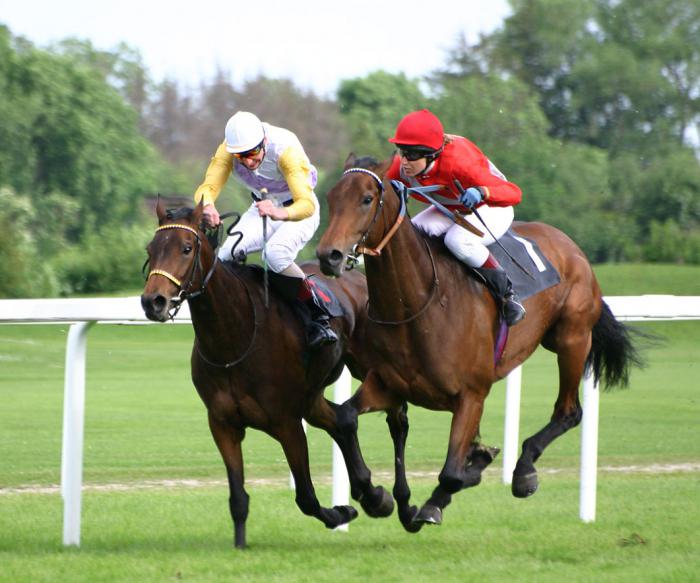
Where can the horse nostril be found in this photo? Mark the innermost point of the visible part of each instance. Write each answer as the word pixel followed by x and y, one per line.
pixel 159 303
pixel 335 257
pixel 153 303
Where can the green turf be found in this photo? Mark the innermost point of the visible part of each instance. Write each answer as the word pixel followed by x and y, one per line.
pixel 645 531
pixel 144 422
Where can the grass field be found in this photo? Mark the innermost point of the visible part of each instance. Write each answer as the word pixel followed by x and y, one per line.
pixel 147 442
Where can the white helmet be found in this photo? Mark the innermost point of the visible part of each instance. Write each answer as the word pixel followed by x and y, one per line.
pixel 243 132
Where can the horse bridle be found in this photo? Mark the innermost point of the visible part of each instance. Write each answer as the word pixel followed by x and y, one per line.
pixel 360 249
pixel 185 294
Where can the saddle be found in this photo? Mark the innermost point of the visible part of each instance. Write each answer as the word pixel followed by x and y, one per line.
pixel 529 255
pixel 542 274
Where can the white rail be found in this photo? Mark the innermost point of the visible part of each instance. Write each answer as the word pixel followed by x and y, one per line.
pixel 83 313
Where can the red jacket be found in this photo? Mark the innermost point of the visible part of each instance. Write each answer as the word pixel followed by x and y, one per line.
pixel 461 159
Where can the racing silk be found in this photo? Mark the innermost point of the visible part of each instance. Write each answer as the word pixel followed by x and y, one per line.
pixel 461 159
pixel 285 171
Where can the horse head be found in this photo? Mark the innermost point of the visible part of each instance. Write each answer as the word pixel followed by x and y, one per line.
pixel 355 214
pixel 179 256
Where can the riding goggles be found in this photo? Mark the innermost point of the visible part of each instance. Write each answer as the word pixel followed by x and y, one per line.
pixel 250 153
pixel 412 155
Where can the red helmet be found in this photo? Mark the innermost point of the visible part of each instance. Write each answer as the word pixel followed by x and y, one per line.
pixel 419 128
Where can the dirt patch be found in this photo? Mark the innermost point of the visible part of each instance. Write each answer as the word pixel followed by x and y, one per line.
pixel 381 477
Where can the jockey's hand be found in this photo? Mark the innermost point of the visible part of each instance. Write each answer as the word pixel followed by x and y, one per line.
pixel 267 208
pixel 471 197
pixel 210 216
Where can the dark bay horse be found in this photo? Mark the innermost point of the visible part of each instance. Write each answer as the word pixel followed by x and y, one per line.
pixel 251 366
pixel 432 330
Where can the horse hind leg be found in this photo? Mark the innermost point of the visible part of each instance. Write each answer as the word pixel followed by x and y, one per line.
pixel 294 444
pixel 228 440
pixel 567 414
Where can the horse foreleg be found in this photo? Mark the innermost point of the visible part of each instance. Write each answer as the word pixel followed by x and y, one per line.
pixel 293 439
pixel 397 420
pixel 228 440
pixel 455 474
pixel 375 501
pixel 567 414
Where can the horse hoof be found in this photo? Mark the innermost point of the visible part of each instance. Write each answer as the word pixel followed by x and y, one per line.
pixel 524 486
pixel 347 514
pixel 491 452
pixel 379 510
pixel 408 521
pixel 429 514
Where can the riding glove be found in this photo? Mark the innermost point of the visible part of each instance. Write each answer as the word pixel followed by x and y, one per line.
pixel 471 197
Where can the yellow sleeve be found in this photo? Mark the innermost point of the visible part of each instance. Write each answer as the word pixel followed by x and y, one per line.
pixel 296 169
pixel 215 177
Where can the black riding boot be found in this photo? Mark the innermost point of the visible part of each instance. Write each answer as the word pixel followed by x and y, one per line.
pixel 298 290
pixel 319 331
pixel 502 289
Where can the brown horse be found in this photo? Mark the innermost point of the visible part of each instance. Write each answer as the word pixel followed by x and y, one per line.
pixel 432 330
pixel 251 365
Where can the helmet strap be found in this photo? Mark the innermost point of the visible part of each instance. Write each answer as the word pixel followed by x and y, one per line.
pixel 430 159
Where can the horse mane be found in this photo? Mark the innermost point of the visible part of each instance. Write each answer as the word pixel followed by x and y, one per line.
pixel 177 214
pixel 366 162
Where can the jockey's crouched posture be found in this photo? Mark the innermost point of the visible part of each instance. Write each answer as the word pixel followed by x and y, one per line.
pixel 271 160
pixel 427 156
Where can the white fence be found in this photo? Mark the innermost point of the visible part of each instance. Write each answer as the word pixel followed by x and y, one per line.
pixel 82 314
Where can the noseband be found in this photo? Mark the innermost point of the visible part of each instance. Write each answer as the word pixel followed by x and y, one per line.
pixel 359 248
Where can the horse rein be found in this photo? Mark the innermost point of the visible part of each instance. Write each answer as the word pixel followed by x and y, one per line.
pixel 186 295
pixel 360 249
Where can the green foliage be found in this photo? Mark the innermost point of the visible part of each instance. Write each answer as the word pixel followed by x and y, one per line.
pixel 591 107
pixel 76 135
pixel 107 261
pixel 23 270
pixel 373 105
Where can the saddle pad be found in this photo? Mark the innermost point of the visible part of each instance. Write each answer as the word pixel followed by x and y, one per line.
pixel 323 292
pixel 528 254
pixel 325 295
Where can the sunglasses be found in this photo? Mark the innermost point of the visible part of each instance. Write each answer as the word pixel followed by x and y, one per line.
pixel 250 153
pixel 411 155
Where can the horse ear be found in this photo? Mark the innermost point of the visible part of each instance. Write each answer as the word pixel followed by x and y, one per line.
pixel 350 161
pixel 160 210
pixel 197 212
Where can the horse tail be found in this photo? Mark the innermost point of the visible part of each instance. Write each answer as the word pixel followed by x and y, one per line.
pixel 613 351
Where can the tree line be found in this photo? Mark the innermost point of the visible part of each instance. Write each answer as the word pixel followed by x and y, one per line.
pixel 591 106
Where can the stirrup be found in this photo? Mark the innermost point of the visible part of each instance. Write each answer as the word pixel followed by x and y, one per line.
pixel 320 333
pixel 513 310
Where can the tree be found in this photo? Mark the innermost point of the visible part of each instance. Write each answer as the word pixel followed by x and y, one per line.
pixel 76 136
pixel 373 105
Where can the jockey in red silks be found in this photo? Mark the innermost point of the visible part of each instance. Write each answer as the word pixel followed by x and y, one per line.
pixel 427 156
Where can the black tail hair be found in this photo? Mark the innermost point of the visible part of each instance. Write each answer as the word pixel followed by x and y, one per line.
pixel 613 351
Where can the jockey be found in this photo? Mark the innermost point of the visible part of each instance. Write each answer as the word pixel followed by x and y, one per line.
pixel 268 159
pixel 427 156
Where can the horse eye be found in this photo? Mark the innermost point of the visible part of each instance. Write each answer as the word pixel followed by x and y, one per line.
pixel 187 249
pixel 367 200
